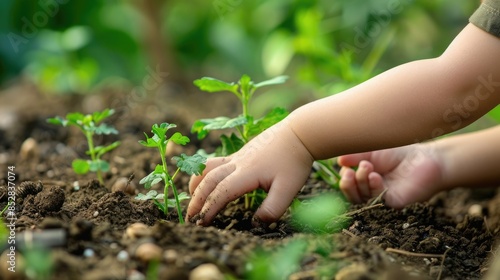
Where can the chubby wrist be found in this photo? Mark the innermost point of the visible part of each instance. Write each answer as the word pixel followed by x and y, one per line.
pixel 284 130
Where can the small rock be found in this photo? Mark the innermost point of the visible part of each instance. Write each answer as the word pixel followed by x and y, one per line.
pixel 353 271
pixel 206 271
pixel 122 256
pixel 88 253
pixel 136 231
pixel 170 256
pixel 96 213
pixel 475 210
pixel 136 275
pixel 29 149
pixel 148 252
pixel 124 185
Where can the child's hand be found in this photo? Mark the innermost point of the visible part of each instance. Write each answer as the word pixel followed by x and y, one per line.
pixel 410 173
pixel 275 161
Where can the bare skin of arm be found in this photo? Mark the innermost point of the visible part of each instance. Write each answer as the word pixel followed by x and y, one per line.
pixel 404 105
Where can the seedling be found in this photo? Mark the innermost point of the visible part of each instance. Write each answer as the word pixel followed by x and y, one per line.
pixel 189 164
pixel 324 170
pixel 247 126
pixel 90 125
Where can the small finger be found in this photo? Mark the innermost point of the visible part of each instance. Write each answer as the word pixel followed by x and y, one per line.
pixel 348 186
pixel 364 169
pixel 376 183
pixel 211 164
pixel 229 189
pixel 209 182
pixel 275 204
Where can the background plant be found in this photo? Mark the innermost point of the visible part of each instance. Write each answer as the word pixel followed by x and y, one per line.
pixel 90 125
pixel 189 164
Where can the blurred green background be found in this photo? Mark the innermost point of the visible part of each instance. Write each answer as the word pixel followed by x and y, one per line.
pixel 325 46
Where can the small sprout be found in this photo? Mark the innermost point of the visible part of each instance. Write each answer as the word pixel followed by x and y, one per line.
pixel 90 125
pixel 247 126
pixel 189 164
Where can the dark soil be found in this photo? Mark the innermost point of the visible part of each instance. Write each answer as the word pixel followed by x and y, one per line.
pixel 453 236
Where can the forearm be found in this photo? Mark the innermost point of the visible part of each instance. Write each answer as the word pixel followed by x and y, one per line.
pixel 471 159
pixel 407 104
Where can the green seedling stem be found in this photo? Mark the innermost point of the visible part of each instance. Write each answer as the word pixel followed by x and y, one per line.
pixel 189 164
pixel 90 125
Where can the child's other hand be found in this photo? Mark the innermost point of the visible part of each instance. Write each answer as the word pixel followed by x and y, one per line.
pixel 410 173
pixel 275 161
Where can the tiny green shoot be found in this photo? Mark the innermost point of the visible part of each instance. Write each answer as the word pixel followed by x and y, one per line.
pixel 324 170
pixel 189 164
pixel 90 125
pixel 246 125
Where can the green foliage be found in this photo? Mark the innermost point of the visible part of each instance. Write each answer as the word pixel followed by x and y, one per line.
pixel 189 164
pixel 40 263
pixel 246 125
pixel 277 265
pixel 325 170
pixel 322 214
pixel 90 125
pixel 4 231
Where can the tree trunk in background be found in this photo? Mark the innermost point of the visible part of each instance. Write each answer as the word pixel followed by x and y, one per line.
pixel 160 52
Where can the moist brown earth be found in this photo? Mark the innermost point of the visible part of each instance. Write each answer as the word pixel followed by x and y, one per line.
pixel 453 236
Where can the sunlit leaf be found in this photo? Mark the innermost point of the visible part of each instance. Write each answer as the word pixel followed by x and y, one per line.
pixel 273 81
pixel 180 139
pixel 213 85
pixel 271 118
pixel 80 166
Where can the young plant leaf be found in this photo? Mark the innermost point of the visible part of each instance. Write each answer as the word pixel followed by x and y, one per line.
pixel 198 128
pixel 76 118
pixel 182 196
pixel 230 144
pixel 223 122
pixel 153 178
pixel 271 118
pixel 100 116
pixel 180 139
pixel 99 164
pixel 105 129
pixel 273 81
pixel 213 85
pixel 101 150
pixel 246 85
pixel 57 121
pixel 194 164
pixel 80 166
pixel 150 195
